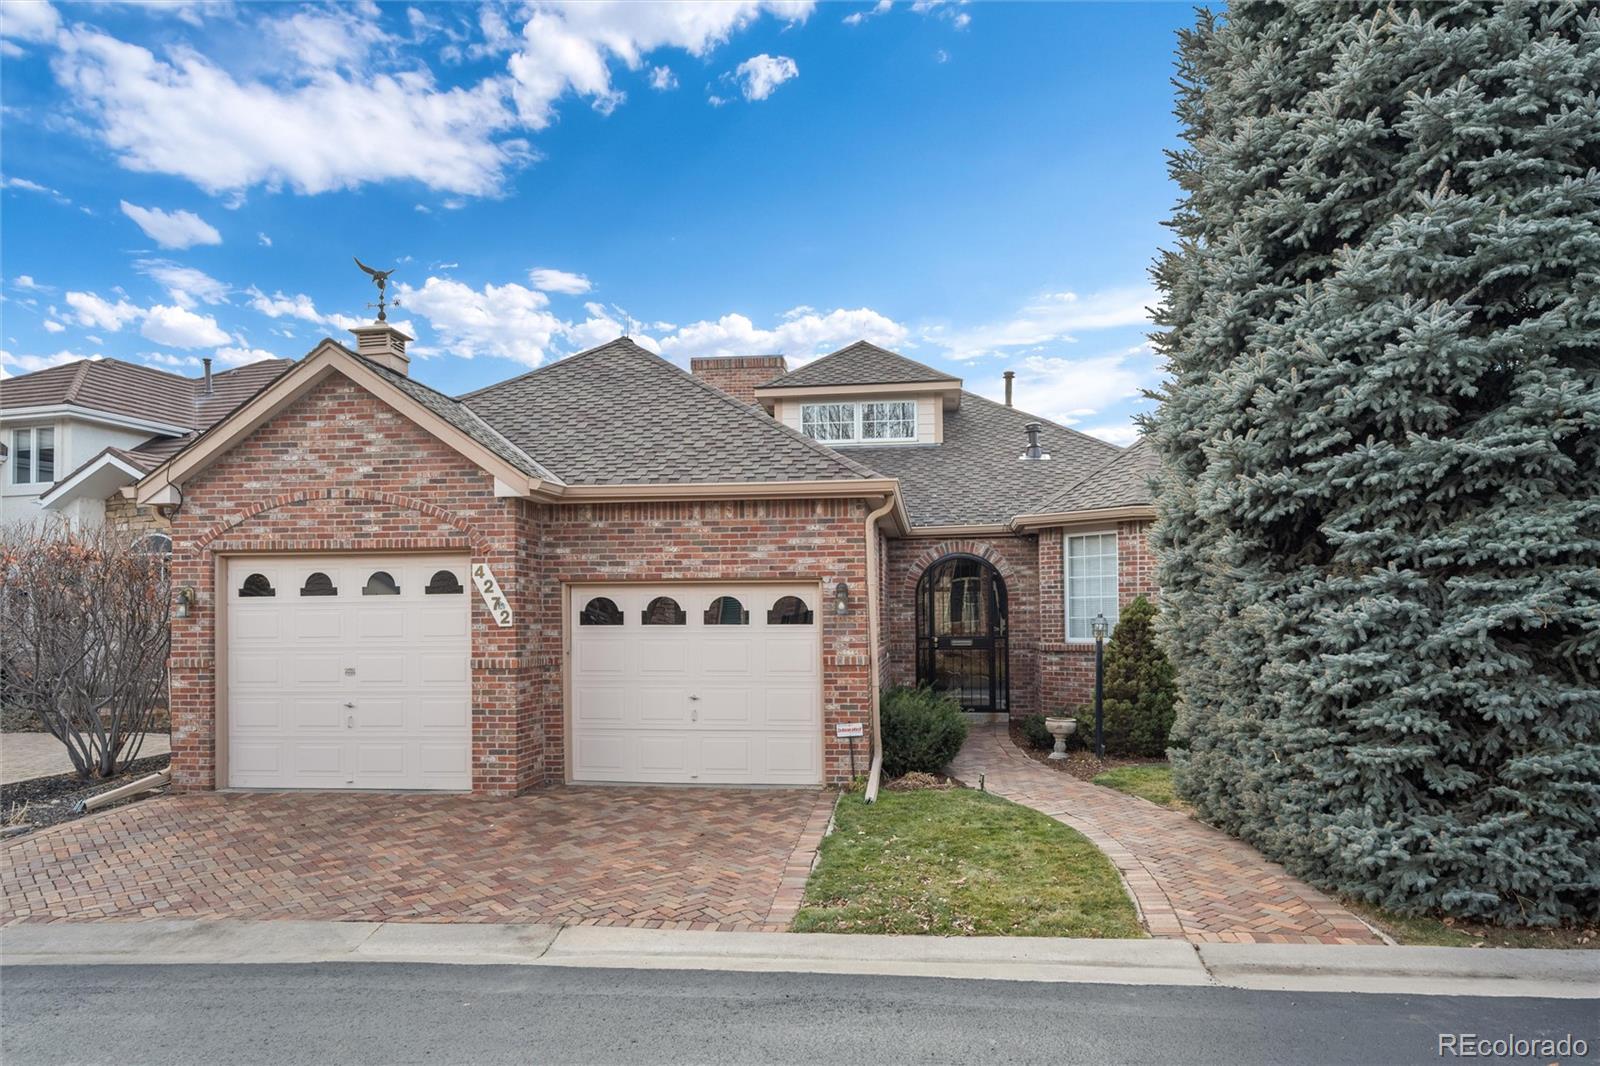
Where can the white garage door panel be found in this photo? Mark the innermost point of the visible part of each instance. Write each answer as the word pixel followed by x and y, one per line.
pixel 349 690
pixel 696 703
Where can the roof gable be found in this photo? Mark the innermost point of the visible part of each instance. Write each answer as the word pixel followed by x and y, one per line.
pixel 861 363
pixel 618 414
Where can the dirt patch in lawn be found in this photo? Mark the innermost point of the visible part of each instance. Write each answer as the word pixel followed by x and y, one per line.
pixel 44 801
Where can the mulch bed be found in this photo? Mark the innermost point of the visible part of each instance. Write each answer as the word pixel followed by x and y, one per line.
pixel 1080 762
pixel 44 801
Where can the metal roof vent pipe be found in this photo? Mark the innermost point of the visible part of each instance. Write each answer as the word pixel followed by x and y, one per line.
pixel 1034 450
pixel 1009 375
pixel 210 389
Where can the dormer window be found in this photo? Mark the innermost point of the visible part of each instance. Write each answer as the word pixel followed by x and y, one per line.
pixel 865 422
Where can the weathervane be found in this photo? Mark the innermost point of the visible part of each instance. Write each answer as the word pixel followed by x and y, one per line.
pixel 380 278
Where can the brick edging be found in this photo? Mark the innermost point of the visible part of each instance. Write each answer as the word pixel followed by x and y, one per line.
pixel 792 884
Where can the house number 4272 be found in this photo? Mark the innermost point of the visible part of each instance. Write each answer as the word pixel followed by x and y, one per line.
pixel 493 597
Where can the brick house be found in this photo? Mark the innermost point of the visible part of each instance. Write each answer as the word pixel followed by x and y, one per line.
pixel 609 570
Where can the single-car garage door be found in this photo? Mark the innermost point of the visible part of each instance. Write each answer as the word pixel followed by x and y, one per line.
pixel 349 672
pixel 696 684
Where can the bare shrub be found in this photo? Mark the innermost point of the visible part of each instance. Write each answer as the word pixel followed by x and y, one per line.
pixel 84 618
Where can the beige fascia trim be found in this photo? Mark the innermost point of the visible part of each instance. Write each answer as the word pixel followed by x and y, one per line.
pixel 311 371
pixel 992 530
pixel 950 390
pixel 1094 516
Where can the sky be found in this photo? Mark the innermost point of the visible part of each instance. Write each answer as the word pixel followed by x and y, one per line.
pixel 978 186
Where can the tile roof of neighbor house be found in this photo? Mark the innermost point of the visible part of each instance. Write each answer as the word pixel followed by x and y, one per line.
pixel 1123 482
pixel 978 476
pixel 620 415
pixel 134 391
pixel 860 363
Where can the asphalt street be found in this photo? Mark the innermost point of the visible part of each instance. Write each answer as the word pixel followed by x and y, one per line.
pixel 405 1013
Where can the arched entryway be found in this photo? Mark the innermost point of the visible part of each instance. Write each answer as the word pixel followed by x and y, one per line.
pixel 961 632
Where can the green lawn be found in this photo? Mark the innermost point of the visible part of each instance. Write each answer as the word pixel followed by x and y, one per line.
pixel 1152 782
pixel 960 863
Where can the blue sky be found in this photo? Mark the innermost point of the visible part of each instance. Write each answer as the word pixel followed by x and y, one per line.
pixel 978 186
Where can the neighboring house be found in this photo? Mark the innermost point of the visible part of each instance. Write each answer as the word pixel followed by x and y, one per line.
pixel 609 570
pixel 79 435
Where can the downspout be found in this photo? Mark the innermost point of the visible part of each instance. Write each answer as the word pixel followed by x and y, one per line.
pixel 876 772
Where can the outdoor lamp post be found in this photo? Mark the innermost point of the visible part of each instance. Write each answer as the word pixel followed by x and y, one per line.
pixel 1099 627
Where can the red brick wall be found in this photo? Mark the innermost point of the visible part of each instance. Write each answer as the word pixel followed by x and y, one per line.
pixel 1016 557
pixel 340 471
pixel 738 375
pixel 1066 671
pixel 753 540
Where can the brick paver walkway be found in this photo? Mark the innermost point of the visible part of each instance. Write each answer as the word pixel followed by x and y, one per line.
pixel 1190 881
pixel 652 857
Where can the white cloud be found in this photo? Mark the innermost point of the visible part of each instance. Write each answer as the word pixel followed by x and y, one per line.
pixel 1071 390
pixel 93 310
pixel 546 279
pixel 856 18
pixel 25 281
pixel 760 75
pixel 278 305
pixel 662 79
pixel 1121 434
pixel 52 326
pixel 508 321
pixel 32 186
pixel 947 9
pixel 186 285
pixel 264 239
pixel 325 130
pixel 178 327
pixel 172 229
pixel 805 334
pixel 1049 319
pixel 28 20
pixel 568 46
pixel 234 356
pixel 27 364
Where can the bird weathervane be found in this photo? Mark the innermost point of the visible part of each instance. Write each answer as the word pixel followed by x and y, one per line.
pixel 380 278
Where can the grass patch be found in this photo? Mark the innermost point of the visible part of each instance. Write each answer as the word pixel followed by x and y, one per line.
pixel 960 863
pixel 1152 781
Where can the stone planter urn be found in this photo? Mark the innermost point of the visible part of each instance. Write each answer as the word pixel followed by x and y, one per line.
pixel 1061 728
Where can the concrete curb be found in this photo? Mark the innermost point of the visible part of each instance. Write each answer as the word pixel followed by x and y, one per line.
pixel 1282 967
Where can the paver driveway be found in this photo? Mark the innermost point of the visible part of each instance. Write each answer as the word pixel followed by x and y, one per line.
pixel 1191 881
pixel 672 858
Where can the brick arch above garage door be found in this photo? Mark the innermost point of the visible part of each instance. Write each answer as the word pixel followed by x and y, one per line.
pixel 338 470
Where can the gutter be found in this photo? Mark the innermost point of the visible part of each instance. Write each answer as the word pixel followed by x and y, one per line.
pixel 875 774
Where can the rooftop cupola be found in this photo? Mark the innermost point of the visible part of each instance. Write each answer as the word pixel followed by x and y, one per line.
pixel 381 342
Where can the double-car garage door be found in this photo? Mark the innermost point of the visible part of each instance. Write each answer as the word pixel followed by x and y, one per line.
pixel 353 672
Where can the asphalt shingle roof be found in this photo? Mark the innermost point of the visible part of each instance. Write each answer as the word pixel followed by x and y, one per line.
pixel 859 364
pixel 463 418
pixel 136 391
pixel 619 415
pixel 977 476
pixel 1123 482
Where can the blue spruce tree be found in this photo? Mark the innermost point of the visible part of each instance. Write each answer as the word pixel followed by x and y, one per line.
pixel 1380 511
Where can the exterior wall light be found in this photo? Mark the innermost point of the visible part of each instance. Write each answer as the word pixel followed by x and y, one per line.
pixel 841 599
pixel 185 600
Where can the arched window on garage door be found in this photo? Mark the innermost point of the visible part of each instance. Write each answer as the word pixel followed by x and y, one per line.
pixel 789 611
pixel 600 611
pixel 381 583
pixel 727 611
pixel 256 585
pixel 663 611
pixel 318 584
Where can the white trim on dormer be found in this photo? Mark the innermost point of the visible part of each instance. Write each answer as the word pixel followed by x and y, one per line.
pixel 63 492
pixel 90 414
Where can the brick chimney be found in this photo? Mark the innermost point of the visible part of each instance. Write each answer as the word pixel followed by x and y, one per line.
pixel 384 344
pixel 738 375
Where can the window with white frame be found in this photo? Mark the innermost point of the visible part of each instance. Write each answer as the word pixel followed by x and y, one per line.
pixel 1091 581
pixel 877 422
pixel 33 456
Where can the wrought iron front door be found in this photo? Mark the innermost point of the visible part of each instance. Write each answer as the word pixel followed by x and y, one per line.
pixel 961 632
